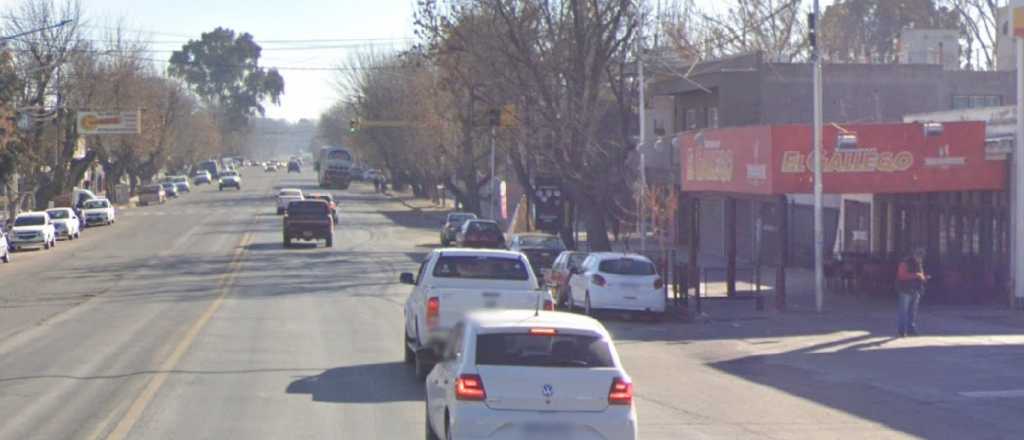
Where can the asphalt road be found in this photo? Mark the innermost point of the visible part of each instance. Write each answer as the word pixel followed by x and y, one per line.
pixel 189 320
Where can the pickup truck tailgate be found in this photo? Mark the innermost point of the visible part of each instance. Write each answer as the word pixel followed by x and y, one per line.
pixel 455 302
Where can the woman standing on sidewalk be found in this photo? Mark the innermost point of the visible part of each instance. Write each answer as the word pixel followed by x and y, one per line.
pixel 910 279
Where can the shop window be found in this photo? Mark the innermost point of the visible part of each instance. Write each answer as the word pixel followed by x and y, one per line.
pixel 976 101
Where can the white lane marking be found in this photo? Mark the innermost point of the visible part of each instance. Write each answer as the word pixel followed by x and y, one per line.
pixel 999 394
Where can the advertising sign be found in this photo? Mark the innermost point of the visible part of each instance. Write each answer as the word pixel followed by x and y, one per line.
pixel 879 158
pixel 92 123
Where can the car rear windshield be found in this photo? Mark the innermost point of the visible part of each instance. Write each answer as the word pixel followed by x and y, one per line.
pixel 307 208
pixel 626 266
pixel 526 350
pixel 482 227
pixel 150 189
pixel 290 193
pixel 58 214
pixel 481 267
pixel 459 219
pixel 541 242
pixel 30 220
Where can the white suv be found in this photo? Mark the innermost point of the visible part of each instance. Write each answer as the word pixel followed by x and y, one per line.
pixel 32 230
pixel 286 196
pixel 526 374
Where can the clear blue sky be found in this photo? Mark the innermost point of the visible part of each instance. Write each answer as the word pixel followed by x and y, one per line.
pixel 307 93
pixel 170 23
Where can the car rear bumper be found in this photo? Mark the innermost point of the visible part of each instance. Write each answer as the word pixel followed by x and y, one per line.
pixel 474 420
pixel 96 220
pixel 308 233
pixel 28 244
pixel 646 300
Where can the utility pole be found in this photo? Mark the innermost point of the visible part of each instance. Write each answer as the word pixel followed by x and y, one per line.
pixel 492 183
pixel 1017 190
pixel 643 140
pixel 819 228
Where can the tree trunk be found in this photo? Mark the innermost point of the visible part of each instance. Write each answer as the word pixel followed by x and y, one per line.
pixel 597 231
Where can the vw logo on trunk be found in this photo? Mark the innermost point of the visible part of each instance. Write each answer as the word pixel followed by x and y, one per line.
pixel 548 390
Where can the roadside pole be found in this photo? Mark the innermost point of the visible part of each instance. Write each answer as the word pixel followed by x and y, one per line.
pixel 819 228
pixel 493 182
pixel 643 139
pixel 1017 235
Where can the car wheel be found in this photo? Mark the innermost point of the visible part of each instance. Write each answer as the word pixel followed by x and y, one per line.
pixel 430 430
pixel 586 306
pixel 329 242
pixel 571 300
pixel 447 427
pixel 46 245
pixel 7 255
pixel 422 366
pixel 78 234
pixel 220 188
pixel 410 356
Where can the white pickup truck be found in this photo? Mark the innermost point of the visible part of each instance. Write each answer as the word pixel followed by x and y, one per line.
pixel 452 282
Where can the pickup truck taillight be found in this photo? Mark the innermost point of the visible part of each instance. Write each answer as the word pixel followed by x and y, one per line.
pixel 599 280
pixel 621 392
pixel 470 387
pixel 549 306
pixel 433 310
pixel 658 283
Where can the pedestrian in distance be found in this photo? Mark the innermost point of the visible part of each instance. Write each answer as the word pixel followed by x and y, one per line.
pixel 910 282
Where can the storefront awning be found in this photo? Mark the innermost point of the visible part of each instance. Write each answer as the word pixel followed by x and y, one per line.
pixel 870 158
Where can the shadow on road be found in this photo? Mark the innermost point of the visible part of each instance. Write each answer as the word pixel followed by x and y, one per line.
pixel 367 383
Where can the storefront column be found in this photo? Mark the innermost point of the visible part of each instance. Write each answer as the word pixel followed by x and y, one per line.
pixel 782 217
pixel 694 243
pixel 730 245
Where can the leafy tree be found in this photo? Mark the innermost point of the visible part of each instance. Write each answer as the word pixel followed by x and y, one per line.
pixel 868 30
pixel 223 69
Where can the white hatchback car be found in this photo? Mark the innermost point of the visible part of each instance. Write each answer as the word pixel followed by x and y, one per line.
pixel 32 230
pixel 617 281
pixel 516 374
pixel 65 223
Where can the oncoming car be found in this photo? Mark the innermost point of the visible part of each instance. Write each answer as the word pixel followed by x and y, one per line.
pixel 515 374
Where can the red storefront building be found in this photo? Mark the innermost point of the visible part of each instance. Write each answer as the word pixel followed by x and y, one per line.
pixel 899 186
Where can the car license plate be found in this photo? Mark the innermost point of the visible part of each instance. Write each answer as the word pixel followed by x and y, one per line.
pixel 630 297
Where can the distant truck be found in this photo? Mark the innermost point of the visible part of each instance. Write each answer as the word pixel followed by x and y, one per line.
pixel 308 220
pixel 334 167
pixel 210 166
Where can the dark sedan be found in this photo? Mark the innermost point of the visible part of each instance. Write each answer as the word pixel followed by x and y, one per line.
pixel 540 249
pixel 452 224
pixel 481 234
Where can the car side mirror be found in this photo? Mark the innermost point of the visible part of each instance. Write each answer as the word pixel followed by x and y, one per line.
pixel 406 278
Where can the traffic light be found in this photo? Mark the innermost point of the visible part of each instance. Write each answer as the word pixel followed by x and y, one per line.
pixel 353 125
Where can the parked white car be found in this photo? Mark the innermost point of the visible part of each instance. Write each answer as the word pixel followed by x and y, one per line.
pixel 98 212
pixel 32 230
pixel 65 223
pixel 526 375
pixel 181 183
pixel 452 282
pixel 286 196
pixel 617 281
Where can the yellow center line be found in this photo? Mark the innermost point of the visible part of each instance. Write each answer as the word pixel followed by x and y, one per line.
pixel 138 406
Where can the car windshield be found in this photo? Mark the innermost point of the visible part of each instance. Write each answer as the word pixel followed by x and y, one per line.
pixel 530 350
pixel 481 267
pixel 553 243
pixel 339 155
pixel 626 266
pixel 93 204
pixel 181 179
pixel 58 214
pixel 150 189
pixel 30 220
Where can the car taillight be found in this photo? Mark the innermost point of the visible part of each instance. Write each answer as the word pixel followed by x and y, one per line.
pixel 549 305
pixel 433 310
pixel 658 283
pixel 621 392
pixel 599 280
pixel 470 387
